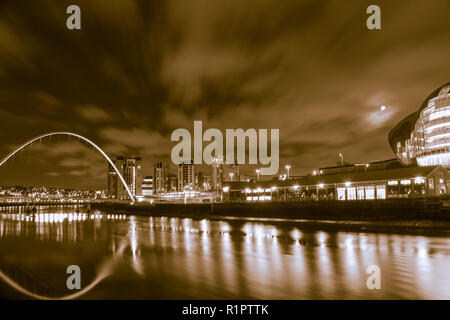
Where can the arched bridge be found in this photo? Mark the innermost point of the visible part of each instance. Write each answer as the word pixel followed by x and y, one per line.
pixel 79 137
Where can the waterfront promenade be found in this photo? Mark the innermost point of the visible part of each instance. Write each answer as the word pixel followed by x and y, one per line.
pixel 416 215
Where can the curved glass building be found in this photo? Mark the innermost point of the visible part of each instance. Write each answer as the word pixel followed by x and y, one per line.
pixel 423 137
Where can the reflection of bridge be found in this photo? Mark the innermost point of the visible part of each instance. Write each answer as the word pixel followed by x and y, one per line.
pixel 79 137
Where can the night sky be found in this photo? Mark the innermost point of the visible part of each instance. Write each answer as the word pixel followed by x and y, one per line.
pixel 137 70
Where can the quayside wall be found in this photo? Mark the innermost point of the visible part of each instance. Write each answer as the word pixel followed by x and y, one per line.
pixel 417 208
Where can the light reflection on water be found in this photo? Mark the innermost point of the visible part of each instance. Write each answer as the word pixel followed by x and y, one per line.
pixel 200 258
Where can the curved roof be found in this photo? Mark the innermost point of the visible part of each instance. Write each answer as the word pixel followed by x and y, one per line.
pixel 432 95
pixel 403 129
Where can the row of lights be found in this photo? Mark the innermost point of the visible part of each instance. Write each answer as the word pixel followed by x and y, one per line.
pixel 282 177
pixel 60 217
pixel 258 172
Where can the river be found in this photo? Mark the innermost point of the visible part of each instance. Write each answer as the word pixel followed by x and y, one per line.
pixel 136 257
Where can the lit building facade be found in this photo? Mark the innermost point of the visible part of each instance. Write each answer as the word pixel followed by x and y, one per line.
pixel 199 180
pixel 186 176
pixel 159 178
pixel 371 184
pixel 147 186
pixel 216 174
pixel 423 137
pixel 131 170
pixel 172 182
pixel 206 186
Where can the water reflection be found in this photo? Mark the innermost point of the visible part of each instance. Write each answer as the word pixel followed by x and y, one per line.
pixel 201 258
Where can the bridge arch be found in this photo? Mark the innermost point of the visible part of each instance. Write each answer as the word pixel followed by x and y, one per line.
pixel 77 136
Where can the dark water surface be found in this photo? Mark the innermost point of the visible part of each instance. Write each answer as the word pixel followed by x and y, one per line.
pixel 182 258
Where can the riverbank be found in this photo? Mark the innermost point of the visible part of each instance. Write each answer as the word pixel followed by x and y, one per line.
pixel 410 216
pixel 40 204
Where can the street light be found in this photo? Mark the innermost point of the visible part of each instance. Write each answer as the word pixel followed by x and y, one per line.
pixel 258 171
pixel 288 167
pixel 341 158
pixel 231 176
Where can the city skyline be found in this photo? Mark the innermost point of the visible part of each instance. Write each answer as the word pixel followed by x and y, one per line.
pixel 319 76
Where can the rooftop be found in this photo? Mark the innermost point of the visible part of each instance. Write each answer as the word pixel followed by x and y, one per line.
pixel 343 177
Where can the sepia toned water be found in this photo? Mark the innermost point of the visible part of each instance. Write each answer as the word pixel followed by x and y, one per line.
pixel 135 257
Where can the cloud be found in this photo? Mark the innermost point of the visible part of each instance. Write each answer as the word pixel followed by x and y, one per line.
pixel 74 162
pixel 53 174
pixel 137 138
pixel 12 48
pixel 139 69
pixel 93 113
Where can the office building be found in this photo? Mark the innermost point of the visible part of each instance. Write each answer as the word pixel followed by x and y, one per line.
pixel 131 170
pixel 147 186
pixel 186 176
pixel 160 178
pixel 217 174
pixel 172 181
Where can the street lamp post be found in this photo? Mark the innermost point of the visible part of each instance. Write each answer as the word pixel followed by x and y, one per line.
pixel 231 176
pixel 288 167
pixel 341 158
pixel 258 171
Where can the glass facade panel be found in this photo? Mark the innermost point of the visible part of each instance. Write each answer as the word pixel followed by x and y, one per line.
pixel 381 192
pixel 370 192
pixel 341 194
pixel 430 183
pixel 392 190
pixel 360 193
pixel 351 193
pixel 429 136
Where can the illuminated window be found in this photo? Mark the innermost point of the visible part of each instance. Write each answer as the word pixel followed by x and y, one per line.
pixel 442 113
pixel 419 180
pixel 351 193
pixel 341 193
pixel 393 182
pixel 430 183
pixel 360 193
pixel 370 192
pixel 381 192
pixel 405 182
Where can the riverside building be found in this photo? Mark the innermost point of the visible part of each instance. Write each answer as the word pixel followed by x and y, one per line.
pixel 421 142
pixel 369 184
pixel 423 137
